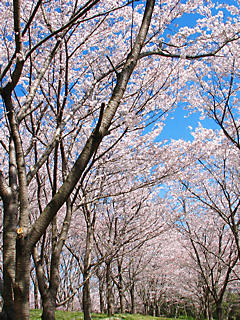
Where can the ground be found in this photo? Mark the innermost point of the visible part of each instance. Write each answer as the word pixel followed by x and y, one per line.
pixel 74 315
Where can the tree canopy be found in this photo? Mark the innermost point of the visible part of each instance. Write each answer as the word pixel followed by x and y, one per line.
pixel 85 182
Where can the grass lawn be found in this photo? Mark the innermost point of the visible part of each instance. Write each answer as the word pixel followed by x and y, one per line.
pixel 74 315
pixel 139 317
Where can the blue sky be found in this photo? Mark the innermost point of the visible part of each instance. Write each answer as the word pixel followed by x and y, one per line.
pixel 177 124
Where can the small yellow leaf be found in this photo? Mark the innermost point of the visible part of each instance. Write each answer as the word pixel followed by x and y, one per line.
pixel 19 230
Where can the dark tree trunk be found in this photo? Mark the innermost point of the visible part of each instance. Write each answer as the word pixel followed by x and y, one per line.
pixel 109 289
pixel 22 282
pixel 35 290
pixel 36 301
pixel 120 287
pixel 101 295
pixel 49 307
pixel 9 250
pixel 219 311
pixel 132 296
pixel 86 300
pixel 49 295
pixel 121 300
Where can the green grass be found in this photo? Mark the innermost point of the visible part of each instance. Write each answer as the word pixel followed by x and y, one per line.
pixel 139 317
pixel 60 315
pixel 74 315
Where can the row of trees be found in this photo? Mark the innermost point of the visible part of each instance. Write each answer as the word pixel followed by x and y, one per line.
pixel 90 196
pixel 175 254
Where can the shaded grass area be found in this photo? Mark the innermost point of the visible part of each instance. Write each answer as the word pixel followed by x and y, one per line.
pixel 74 315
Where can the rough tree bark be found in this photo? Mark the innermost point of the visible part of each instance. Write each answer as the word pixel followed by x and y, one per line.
pixel 86 298
pixel 100 277
pixel 120 286
pixel 132 298
pixel 109 292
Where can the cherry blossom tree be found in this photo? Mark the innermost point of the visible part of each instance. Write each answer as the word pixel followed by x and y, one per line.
pixel 28 237
pixel 80 74
pixel 206 202
pixel 123 228
pixel 215 256
pixel 217 186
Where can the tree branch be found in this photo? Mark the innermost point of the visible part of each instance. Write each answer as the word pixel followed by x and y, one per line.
pixel 93 142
